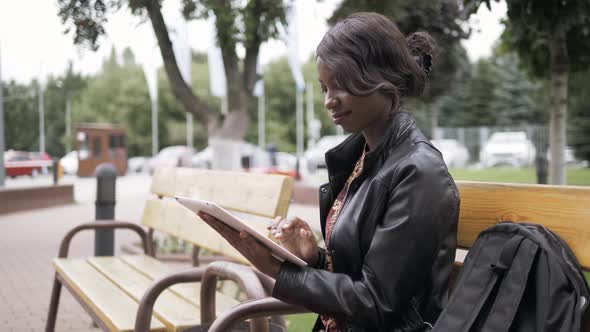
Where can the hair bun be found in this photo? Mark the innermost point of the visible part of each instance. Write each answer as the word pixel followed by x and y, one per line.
pixel 426 62
pixel 422 46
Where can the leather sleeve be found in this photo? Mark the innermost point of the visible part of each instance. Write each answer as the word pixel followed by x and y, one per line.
pixel 421 210
pixel 321 259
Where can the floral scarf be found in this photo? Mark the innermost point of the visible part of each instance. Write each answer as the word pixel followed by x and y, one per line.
pixel 332 324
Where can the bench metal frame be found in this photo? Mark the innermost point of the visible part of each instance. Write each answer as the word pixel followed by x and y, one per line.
pixel 253 282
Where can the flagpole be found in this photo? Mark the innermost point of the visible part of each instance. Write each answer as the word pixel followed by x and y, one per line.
pixel 41 112
pixel 261 121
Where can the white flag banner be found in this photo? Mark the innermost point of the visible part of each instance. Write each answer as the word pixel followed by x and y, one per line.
pixel 151 76
pixel 182 50
pixel 217 80
pixel 291 38
pixel 259 86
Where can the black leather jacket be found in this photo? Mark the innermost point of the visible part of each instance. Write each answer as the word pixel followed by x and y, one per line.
pixel 394 244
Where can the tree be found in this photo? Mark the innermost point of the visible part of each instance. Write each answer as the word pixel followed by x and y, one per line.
pixel 553 39
pixel 579 121
pixel 118 94
pixel 496 92
pixel 21 117
pixel 249 25
pixel 280 103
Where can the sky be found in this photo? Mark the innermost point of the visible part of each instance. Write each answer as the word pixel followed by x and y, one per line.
pixel 32 43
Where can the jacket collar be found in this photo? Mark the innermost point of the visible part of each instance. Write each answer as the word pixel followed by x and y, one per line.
pixel 341 159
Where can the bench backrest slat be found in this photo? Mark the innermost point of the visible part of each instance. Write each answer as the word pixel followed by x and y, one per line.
pixel 259 194
pixel 563 209
pixel 254 198
pixel 172 218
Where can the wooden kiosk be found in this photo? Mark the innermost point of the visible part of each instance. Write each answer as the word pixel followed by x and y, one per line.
pixel 98 143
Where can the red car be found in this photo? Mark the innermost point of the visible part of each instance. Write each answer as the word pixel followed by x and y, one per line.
pixel 19 163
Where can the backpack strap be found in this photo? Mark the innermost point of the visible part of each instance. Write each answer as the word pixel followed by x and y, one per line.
pixel 475 286
pixel 517 259
pixel 507 255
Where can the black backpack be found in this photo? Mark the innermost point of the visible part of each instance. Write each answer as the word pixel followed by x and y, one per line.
pixel 517 277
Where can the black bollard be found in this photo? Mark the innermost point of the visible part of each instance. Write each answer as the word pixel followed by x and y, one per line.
pixel 55 170
pixel 541 168
pixel 106 176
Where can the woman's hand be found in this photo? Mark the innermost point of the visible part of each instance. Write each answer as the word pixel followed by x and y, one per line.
pixel 296 236
pixel 247 245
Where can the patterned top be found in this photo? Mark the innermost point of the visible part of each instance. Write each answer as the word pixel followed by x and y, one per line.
pixel 331 324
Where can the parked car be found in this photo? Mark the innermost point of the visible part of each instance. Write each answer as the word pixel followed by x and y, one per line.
pixel 19 163
pixel 174 156
pixel 454 153
pixel 45 160
pixel 508 149
pixel 316 156
pixel 202 159
pixel 137 164
pixel 69 162
pixel 568 156
pixel 249 153
pixel 286 164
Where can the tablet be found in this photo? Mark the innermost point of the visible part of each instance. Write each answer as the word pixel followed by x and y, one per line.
pixel 232 221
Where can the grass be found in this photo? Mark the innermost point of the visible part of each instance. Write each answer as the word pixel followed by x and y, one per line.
pixel 575 176
pixel 301 323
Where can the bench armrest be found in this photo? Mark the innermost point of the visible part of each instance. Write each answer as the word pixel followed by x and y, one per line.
pixel 64 247
pixel 208 276
pixel 245 276
pixel 146 305
pixel 254 309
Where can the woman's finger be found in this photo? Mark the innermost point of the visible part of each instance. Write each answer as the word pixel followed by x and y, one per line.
pixel 275 222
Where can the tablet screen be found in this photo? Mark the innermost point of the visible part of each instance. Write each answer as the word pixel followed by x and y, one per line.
pixel 234 222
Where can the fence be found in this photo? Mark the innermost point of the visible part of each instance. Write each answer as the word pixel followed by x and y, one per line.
pixel 536 140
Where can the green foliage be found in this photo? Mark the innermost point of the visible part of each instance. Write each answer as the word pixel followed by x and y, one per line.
pixel 579 119
pixel 21 117
pixel 495 92
pixel 532 24
pixel 239 24
pixel 279 88
pixel 245 23
pixel 280 103
pixel 119 94
pixel 21 112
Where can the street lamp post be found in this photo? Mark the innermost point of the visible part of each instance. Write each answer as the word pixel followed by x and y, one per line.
pixel 68 122
pixel 2 169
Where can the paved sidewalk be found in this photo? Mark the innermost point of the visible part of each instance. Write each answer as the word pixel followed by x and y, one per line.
pixel 29 240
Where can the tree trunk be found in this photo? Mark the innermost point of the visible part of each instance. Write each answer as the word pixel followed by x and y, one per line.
pixel 559 86
pixel 180 88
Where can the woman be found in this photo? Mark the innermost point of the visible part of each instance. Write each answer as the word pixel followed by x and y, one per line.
pixel 389 213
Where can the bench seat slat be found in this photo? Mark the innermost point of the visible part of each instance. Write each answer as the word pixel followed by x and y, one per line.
pixel 116 309
pixel 154 269
pixel 173 311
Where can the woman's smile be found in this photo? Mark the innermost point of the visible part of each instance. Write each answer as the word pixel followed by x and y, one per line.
pixel 338 117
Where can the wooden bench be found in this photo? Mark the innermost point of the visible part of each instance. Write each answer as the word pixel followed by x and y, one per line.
pixel 138 292
pixel 563 209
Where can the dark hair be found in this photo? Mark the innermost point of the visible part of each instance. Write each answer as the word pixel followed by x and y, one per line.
pixel 367 52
